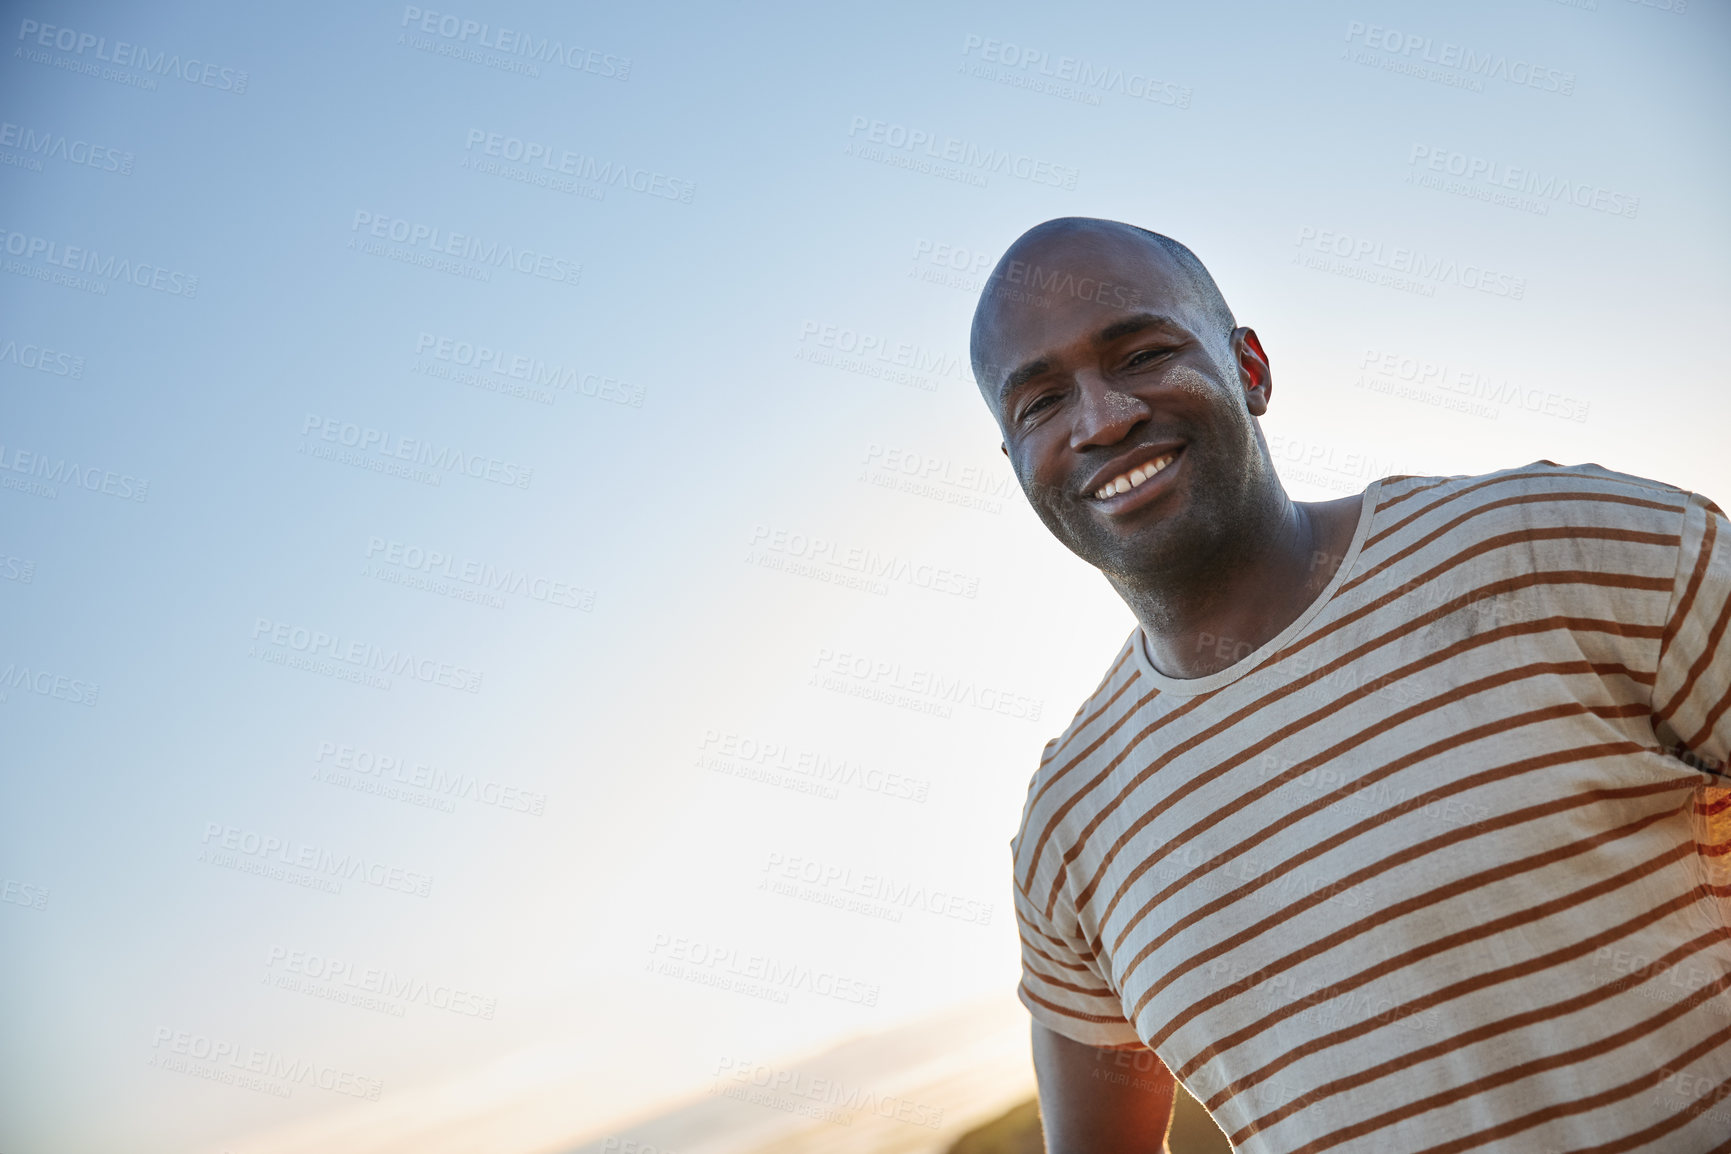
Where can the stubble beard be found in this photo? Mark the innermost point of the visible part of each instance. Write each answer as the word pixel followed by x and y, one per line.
pixel 1173 563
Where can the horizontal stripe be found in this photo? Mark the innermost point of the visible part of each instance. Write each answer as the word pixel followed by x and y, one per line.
pixel 1261 705
pixel 1426 1053
pixel 1371 778
pixel 1440 803
pixel 1511 920
pixel 1590 1102
pixel 1518 1072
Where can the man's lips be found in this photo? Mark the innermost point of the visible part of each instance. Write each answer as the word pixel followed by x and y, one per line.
pixel 1131 471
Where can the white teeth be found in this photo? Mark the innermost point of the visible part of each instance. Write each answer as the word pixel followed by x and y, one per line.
pixel 1124 482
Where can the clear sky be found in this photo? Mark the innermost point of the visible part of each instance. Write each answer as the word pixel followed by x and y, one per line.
pixel 503 565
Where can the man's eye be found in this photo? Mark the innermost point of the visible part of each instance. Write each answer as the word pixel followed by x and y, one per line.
pixel 1141 358
pixel 1037 404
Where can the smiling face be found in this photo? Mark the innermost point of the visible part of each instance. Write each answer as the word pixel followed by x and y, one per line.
pixel 1126 401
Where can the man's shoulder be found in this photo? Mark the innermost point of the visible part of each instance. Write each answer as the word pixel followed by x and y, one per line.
pixel 1089 734
pixel 1540 491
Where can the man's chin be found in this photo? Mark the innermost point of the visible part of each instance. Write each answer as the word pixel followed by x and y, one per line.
pixel 1134 557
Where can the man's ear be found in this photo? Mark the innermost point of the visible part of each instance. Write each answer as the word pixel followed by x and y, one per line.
pixel 1253 371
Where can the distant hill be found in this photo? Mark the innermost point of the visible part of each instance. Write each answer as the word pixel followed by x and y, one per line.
pixel 1018 1132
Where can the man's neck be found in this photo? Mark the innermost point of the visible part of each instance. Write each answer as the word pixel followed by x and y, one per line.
pixel 1220 618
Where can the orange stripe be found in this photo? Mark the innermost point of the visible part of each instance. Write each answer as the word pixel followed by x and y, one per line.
pixel 1190 705
pixel 1088 991
pixel 1105 772
pixel 1403 857
pixel 1296 772
pixel 1334 752
pixel 1516 537
pixel 1515 1073
pixel 1056 941
pixel 1525 498
pixel 1296 685
pixel 1399 961
pixel 1381 1070
pixel 1590 1102
pixel 1076 724
pixel 1117 1019
pixel 1696 576
pixel 1412 492
pixel 1705 734
pixel 1643 1138
pixel 1702 661
pixel 1518 476
pixel 1058 775
pixel 1037 951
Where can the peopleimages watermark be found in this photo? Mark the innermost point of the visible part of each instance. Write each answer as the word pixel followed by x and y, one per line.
pixel 1399 267
pixel 298 647
pixel 1424 58
pixel 304 864
pixel 1516 186
pixel 878 356
pixel 89 52
pixel 252 1067
pixel 1464 390
pixel 1327 1006
pixel 826 1099
pixel 872 894
pixel 46 473
pixel 20 678
pixel 396 776
pixel 376 988
pixel 753 975
pixel 1032 284
pixel 950 265
pixel 41 358
pixel 774 761
pixel 510 49
pixel 918 690
pixel 826 559
pixel 540 163
pixel 495 370
pixel 16 568
pixel 87 269
pixel 1066 77
pixel 461 254
pixel 416 459
pixel 938 478
pixel 16 893
pixel 949 157
pixel 35 145
pixel 1329 466
pixel 467 579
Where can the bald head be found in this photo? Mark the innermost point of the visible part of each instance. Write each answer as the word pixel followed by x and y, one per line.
pixel 1104 265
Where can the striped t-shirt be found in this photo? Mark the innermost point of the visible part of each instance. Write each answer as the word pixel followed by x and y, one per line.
pixel 1443 866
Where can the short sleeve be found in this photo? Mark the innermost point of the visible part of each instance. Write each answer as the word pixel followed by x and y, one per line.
pixel 1063 988
pixel 1692 687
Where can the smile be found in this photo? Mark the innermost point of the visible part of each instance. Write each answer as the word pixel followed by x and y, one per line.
pixel 1124 482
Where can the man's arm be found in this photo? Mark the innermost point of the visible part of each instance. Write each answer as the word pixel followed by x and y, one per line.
pixel 1101 1101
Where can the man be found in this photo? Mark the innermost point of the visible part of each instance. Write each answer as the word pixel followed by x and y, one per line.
pixel 1401 823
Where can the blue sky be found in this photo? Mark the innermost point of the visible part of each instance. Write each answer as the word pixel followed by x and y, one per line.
pixel 483 533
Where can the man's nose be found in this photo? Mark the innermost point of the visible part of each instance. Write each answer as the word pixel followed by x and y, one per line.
pixel 1105 415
